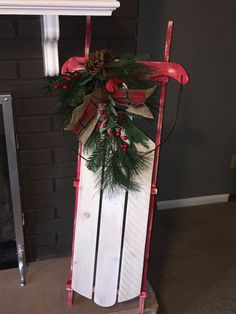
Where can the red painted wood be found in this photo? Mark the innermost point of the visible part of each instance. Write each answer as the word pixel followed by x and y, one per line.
pixel 142 298
pixel 73 64
pixel 76 185
pixel 88 36
pixel 166 70
pixel 168 41
pixel 77 182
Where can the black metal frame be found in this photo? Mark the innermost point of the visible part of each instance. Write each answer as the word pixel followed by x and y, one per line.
pixel 6 102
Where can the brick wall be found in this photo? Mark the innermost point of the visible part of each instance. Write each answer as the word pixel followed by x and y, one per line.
pixel 47 162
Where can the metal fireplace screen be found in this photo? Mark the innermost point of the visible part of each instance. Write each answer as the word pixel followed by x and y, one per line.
pixel 8 251
pixel 12 250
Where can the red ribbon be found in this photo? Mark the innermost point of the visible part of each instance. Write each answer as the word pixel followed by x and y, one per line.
pixel 127 98
pixel 89 114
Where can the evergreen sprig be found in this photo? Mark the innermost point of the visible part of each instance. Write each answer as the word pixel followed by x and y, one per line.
pixel 114 148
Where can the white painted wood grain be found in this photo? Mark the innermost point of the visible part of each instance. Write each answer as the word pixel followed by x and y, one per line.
pixel 85 234
pixel 108 260
pixel 135 236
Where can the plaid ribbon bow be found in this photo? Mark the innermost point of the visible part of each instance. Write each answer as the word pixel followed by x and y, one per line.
pixel 85 117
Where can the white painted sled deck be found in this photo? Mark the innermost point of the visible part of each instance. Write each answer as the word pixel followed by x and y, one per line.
pixel 109 239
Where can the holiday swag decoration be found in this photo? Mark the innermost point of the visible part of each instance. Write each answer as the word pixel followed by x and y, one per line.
pixel 99 100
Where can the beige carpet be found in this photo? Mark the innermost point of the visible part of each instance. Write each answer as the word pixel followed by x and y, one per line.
pixel 44 293
pixel 192 269
pixel 193 261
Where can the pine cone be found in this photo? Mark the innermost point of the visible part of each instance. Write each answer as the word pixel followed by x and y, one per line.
pixel 97 61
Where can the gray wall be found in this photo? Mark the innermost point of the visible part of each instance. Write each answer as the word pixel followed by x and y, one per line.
pixel 196 160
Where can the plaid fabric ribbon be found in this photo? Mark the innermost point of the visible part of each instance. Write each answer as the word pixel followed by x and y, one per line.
pixel 85 117
pixel 89 114
pixel 127 98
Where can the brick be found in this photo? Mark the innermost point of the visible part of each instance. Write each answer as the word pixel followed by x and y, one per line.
pixel 35 157
pixel 127 8
pixel 65 154
pixel 37 187
pixel 33 124
pixel 20 49
pixel 44 140
pixel 47 252
pixel 8 70
pixel 57 124
pixel 39 215
pixel 65 238
pixel 21 88
pixel 35 106
pixel 41 240
pixel 48 227
pixel 7 29
pixel 65 212
pixel 31 69
pixel 64 185
pixel 105 27
pixel 55 199
pixel 54 170
pixel 72 27
pixel 70 47
pixel 98 44
pixel 29 27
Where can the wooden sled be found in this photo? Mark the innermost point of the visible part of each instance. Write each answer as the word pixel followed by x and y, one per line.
pixel 111 237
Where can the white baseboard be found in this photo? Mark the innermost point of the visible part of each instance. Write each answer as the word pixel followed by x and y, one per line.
pixel 193 201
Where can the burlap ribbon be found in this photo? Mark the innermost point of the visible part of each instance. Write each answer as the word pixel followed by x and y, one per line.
pixel 85 117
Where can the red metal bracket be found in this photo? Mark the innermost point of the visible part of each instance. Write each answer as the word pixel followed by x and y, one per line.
pixel 154 190
pixel 76 183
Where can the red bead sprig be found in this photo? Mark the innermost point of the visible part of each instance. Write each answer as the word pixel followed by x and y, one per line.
pixel 57 85
pixel 124 147
pixel 68 78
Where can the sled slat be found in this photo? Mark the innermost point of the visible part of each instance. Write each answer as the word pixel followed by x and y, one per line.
pixel 135 236
pixel 85 234
pixel 109 248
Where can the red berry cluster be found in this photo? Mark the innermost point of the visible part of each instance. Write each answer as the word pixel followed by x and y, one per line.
pixel 65 85
pixel 67 78
pixel 57 85
pixel 104 115
pixel 60 86
pixel 123 146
